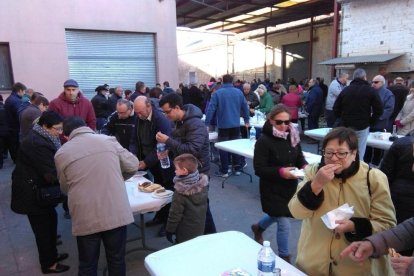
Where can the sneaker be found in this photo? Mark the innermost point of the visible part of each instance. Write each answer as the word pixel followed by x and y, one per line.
pixel 220 174
pixel 237 173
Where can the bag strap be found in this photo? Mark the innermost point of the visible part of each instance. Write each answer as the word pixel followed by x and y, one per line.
pixel 368 182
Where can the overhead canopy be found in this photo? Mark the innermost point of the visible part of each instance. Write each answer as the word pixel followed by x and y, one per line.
pixel 361 59
pixel 242 16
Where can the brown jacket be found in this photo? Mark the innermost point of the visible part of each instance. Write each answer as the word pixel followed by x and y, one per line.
pixel 90 169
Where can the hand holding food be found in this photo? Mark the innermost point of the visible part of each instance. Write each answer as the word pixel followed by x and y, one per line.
pixel 323 176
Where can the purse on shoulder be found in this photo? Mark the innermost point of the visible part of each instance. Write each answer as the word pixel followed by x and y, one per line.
pixel 48 196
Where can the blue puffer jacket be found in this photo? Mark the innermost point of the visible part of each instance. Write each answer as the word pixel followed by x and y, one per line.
pixel 12 106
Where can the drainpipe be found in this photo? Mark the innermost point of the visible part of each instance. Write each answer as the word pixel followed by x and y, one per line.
pixel 310 48
pixel 335 33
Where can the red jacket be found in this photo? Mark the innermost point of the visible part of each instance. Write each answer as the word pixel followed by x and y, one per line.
pixel 82 107
pixel 293 101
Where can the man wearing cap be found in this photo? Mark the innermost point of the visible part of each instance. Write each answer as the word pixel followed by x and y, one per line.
pixel 71 102
pixel 101 106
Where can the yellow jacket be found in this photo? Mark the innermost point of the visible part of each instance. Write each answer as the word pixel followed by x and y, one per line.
pixel 318 246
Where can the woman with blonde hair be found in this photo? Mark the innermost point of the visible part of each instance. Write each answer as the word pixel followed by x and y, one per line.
pixel 405 119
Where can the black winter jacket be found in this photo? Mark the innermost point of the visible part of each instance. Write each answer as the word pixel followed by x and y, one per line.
pixel 397 165
pixel 190 136
pixel 356 103
pixel 101 106
pixel 123 130
pixel 271 154
pixel 35 164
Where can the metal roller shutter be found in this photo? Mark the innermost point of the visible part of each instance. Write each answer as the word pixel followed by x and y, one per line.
pixel 114 58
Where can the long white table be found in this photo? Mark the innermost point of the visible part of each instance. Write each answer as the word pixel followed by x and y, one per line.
pixel 245 147
pixel 142 203
pixel 320 133
pixel 211 255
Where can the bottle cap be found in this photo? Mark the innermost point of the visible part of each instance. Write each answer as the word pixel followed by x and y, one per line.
pixel 266 243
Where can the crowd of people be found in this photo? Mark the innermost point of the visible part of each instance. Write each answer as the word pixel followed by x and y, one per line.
pixel 79 145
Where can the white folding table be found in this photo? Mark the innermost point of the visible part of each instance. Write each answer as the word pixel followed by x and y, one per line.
pixel 245 147
pixel 320 133
pixel 211 255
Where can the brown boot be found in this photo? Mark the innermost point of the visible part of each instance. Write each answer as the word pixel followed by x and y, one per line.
pixel 257 231
pixel 286 258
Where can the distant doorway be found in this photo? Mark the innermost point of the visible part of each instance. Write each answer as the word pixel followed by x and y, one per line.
pixel 295 60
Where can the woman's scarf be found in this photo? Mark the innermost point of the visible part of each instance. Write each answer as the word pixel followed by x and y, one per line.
pixel 43 132
pixel 294 135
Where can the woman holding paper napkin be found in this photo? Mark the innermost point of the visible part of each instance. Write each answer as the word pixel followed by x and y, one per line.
pixel 276 154
pixel 341 178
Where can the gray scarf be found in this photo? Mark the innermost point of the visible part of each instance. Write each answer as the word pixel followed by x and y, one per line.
pixel 42 132
pixel 189 179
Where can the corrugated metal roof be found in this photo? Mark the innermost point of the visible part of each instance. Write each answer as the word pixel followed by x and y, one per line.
pixel 361 59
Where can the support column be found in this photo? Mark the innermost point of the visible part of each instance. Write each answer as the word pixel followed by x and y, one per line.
pixel 310 48
pixel 335 33
pixel 265 47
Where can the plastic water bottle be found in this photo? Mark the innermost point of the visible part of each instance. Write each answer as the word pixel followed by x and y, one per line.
pixel 165 162
pixel 252 134
pixel 266 260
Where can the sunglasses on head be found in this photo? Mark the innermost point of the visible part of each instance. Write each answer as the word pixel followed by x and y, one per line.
pixel 279 122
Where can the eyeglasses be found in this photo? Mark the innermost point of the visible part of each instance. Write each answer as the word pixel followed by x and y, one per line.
pixel 168 111
pixel 339 155
pixel 376 82
pixel 279 122
pixel 58 129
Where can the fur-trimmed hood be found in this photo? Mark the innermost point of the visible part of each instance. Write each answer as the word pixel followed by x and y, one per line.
pixel 184 189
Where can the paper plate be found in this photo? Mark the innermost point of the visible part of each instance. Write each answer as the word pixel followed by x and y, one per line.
pixel 298 173
pixel 165 194
pixel 140 173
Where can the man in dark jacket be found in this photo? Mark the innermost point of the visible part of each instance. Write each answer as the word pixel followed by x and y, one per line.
pixel 150 121
pixel 189 136
pixel 314 104
pixel 400 92
pixel 3 131
pixel 113 99
pixel 11 106
pixel 101 106
pixel 140 90
pixel 121 124
pixel 358 106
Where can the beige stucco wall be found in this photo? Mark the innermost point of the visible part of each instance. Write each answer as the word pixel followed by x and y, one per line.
pixel 35 31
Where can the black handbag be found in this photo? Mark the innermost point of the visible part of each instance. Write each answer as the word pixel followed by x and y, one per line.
pixel 49 195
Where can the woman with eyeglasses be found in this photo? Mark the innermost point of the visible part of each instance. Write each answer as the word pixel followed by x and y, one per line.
pixel 277 152
pixel 341 178
pixel 36 166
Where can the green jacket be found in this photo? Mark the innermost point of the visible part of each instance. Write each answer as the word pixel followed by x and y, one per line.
pixel 266 103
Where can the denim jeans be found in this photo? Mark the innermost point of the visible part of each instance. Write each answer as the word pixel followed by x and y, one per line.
pixel 226 134
pixel 362 136
pixel 282 234
pixel 89 247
